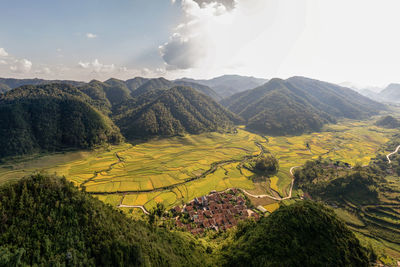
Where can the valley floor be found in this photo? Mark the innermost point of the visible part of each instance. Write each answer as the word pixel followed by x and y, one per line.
pixel 175 170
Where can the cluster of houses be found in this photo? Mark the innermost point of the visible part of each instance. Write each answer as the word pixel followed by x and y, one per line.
pixel 217 211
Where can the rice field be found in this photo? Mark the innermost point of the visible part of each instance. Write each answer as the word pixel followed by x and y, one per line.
pixel 354 142
pixel 166 170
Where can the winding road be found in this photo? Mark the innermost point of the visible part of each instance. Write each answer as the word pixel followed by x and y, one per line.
pixel 394 152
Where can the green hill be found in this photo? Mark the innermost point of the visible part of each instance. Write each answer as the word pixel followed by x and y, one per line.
pixel 114 91
pixel 50 118
pixel 388 122
pixel 158 84
pixel 200 88
pixel 298 105
pixel 302 234
pixel 171 112
pixel 46 221
pixel 135 83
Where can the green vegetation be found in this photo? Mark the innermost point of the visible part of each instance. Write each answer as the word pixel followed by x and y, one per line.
pixel 47 221
pixel 50 118
pixel 388 122
pixel 264 165
pixel 171 112
pixel 330 181
pixel 298 105
pixel 366 197
pixel 302 234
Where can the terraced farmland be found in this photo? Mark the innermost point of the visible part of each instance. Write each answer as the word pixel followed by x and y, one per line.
pixel 351 142
pixel 178 169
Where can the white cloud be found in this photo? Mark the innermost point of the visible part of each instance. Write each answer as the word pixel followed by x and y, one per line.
pixel 282 38
pixel 3 52
pixel 96 66
pixel 21 66
pixel 213 33
pixel 91 35
pixel 3 62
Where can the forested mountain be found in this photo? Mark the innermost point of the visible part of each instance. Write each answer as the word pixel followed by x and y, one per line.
pixel 388 122
pixel 135 83
pixel 49 118
pixel 115 91
pixel 200 88
pixel 302 234
pixel 14 83
pixel 157 84
pixel 298 105
pixel 391 93
pixel 46 221
pixel 228 85
pixel 170 112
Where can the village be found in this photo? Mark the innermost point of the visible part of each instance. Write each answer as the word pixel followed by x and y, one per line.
pixel 217 211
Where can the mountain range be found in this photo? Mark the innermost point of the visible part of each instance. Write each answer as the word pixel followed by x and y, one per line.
pixel 84 115
pixel 298 105
pixel 228 85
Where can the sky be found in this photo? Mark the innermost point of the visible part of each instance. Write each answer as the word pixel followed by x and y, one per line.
pixel 355 41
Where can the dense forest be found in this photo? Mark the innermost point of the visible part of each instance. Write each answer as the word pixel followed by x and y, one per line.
pixel 171 112
pixel 298 105
pixel 47 221
pixel 302 234
pixel 336 181
pixel 50 118
pixel 388 122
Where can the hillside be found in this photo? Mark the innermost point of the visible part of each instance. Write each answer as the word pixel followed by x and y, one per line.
pixel 298 105
pixel 391 93
pixel 228 85
pixel 158 84
pixel 388 122
pixel 200 88
pixel 135 83
pixel 111 92
pixel 171 112
pixel 47 221
pixel 302 234
pixel 50 118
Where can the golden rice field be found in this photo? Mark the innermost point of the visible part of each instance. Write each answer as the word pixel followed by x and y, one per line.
pixel 349 141
pixel 122 172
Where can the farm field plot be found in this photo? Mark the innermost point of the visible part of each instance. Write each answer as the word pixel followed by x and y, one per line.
pixel 166 170
pixel 350 141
